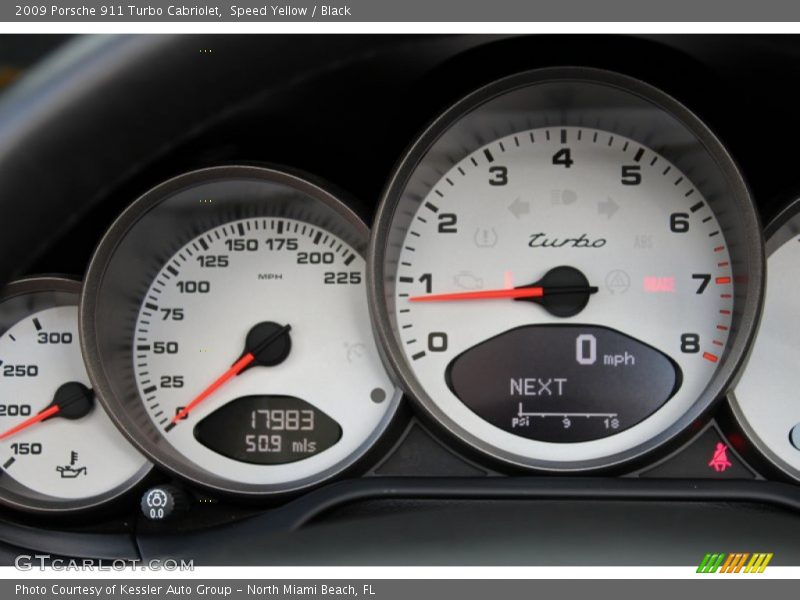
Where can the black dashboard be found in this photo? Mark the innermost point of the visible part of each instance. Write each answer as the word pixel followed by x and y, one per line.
pixel 458 299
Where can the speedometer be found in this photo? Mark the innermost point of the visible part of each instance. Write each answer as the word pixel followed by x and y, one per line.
pixel 566 269
pixel 225 319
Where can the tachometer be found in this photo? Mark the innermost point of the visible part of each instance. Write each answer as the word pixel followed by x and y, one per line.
pixel 566 269
pixel 59 451
pixel 225 318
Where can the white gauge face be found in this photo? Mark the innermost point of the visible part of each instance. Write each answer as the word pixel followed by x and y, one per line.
pixel 629 226
pixel 314 404
pixel 766 400
pixel 566 269
pixel 60 457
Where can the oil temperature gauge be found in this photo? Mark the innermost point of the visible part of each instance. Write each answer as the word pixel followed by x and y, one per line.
pixel 59 450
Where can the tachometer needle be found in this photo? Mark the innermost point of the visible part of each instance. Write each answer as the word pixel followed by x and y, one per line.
pixel 563 291
pixel 259 340
pixel 531 292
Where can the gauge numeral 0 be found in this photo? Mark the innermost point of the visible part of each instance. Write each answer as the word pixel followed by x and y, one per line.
pixel 437 341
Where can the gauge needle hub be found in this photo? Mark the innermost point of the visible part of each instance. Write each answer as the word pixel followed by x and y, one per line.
pixel 267 344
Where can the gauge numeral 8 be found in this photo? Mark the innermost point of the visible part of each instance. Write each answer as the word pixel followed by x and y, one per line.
pixel 690 343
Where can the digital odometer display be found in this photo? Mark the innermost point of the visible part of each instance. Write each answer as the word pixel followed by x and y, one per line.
pixel 566 266
pixel 268 430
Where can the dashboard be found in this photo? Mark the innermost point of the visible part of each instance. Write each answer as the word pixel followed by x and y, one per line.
pixel 400 299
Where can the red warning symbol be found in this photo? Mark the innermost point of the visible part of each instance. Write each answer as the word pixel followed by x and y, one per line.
pixel 719 462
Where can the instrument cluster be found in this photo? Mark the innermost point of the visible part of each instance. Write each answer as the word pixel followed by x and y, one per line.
pixel 566 274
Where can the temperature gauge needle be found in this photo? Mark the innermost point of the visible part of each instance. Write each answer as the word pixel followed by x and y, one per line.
pixel 71 401
pixel 48 412
pixel 260 349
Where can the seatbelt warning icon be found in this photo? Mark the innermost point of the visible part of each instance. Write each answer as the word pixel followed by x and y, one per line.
pixel 719 462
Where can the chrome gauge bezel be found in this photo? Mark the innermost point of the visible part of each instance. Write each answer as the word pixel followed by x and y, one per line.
pixel 55 291
pixel 490 111
pixel 128 412
pixel 776 234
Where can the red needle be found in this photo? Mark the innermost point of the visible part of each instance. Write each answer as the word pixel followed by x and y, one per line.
pixel 526 292
pixel 41 416
pixel 239 366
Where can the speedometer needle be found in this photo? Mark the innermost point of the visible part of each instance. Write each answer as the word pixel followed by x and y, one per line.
pixel 257 347
pixel 72 401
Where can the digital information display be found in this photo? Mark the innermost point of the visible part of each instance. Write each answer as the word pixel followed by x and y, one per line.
pixel 563 383
pixel 268 430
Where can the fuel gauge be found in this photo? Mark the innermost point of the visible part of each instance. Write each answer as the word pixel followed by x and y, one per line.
pixel 59 451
